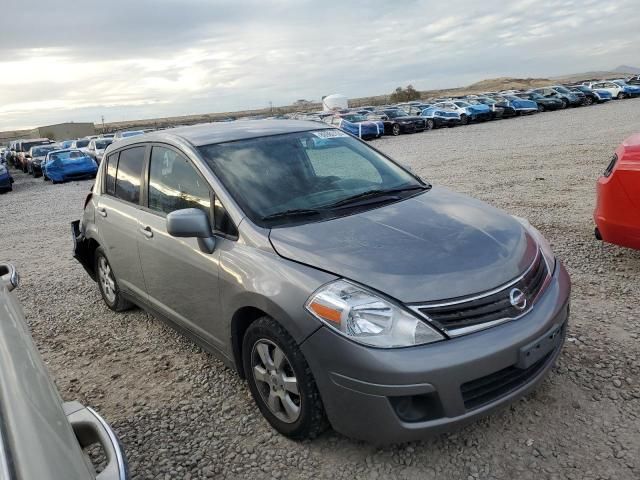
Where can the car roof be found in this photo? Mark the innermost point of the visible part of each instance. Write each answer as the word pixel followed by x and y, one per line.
pixel 220 132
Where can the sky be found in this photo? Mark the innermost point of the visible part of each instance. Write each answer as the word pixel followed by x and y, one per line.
pixel 130 59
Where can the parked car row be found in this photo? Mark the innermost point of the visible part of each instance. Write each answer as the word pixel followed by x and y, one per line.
pixel 419 116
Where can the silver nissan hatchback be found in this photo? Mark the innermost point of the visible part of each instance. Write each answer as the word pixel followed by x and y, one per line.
pixel 345 289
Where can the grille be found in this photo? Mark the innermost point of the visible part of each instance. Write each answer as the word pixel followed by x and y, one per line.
pixel 464 316
pixel 481 391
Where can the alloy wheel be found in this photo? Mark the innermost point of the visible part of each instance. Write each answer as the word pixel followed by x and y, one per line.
pixel 276 381
pixel 396 129
pixel 108 283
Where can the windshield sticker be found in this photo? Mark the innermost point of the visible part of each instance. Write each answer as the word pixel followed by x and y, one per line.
pixel 329 133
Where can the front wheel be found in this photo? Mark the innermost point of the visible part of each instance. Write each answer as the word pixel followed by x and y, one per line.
pixel 540 107
pixel 620 96
pixel 565 103
pixel 108 285
pixel 395 130
pixel 281 381
pixel 430 124
pixel 588 101
pixel 464 119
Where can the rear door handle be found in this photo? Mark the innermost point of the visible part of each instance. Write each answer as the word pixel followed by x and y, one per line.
pixel 102 211
pixel 146 231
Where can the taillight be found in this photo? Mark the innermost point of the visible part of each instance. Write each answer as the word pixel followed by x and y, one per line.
pixel 612 164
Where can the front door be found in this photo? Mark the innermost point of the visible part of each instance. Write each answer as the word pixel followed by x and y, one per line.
pixel 181 280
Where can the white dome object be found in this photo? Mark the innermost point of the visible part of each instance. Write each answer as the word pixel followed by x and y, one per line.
pixel 335 102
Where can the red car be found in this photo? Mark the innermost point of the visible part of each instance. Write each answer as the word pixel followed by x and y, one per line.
pixel 617 213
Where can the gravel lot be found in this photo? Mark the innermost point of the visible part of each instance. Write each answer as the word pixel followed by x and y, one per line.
pixel 180 414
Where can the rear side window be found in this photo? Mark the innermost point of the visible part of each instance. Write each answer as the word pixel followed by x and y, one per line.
pixel 129 170
pixel 174 183
pixel 112 167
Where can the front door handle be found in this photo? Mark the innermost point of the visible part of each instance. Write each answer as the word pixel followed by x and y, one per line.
pixel 102 211
pixel 146 231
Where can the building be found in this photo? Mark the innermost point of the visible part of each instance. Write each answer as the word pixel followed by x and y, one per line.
pixel 59 131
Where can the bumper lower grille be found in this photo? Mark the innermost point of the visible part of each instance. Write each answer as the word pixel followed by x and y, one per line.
pixel 481 391
pixel 464 316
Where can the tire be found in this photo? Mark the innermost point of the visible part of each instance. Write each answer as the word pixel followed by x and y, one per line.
pixel 44 177
pixel 107 283
pixel 430 124
pixel 588 101
pixel 565 103
pixel 395 130
pixel 540 108
pixel 464 120
pixel 305 418
pixel 620 95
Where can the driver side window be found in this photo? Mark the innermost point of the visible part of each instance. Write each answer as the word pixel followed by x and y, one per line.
pixel 174 184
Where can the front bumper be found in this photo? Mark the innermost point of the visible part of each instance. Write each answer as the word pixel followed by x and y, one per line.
pixel 396 395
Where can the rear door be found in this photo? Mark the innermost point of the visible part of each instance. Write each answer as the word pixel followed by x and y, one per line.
pixel 181 280
pixel 117 217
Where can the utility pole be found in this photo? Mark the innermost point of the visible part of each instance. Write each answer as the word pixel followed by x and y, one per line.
pixel 271 107
pixel 102 123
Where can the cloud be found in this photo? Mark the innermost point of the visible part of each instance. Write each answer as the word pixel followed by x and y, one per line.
pixel 79 60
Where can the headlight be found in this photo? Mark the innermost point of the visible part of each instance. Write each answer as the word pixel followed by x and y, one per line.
pixel 367 318
pixel 542 242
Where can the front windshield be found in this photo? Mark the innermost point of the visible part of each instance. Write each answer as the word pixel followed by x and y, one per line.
pixel 461 104
pixel 27 145
pixel 354 118
pixel 487 101
pixel 102 144
pixel 82 143
pixel 562 90
pixel 395 113
pixel 42 151
pixel 301 171
pixel 67 155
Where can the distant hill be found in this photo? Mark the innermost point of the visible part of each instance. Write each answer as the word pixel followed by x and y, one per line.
pixel 627 69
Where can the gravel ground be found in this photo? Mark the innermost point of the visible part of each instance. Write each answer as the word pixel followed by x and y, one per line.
pixel 181 414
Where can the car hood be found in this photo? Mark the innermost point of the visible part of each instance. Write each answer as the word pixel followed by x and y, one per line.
pixel 434 246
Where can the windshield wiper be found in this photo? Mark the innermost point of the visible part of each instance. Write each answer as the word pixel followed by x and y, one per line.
pixel 294 212
pixel 388 193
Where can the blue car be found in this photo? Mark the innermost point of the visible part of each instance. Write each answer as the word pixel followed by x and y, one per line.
pixel 69 164
pixel 6 180
pixel 522 106
pixel 358 125
pixel 437 117
pixel 629 90
pixel 468 112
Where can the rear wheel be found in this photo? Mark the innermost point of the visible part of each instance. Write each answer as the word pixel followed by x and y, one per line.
pixel 430 124
pixel 540 107
pixel 621 95
pixel 464 119
pixel 395 130
pixel 588 101
pixel 281 381
pixel 108 285
pixel 565 103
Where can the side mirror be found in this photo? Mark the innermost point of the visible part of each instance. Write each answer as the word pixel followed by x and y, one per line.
pixel 192 223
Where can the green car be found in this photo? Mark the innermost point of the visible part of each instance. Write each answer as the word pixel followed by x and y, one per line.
pixel 40 436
